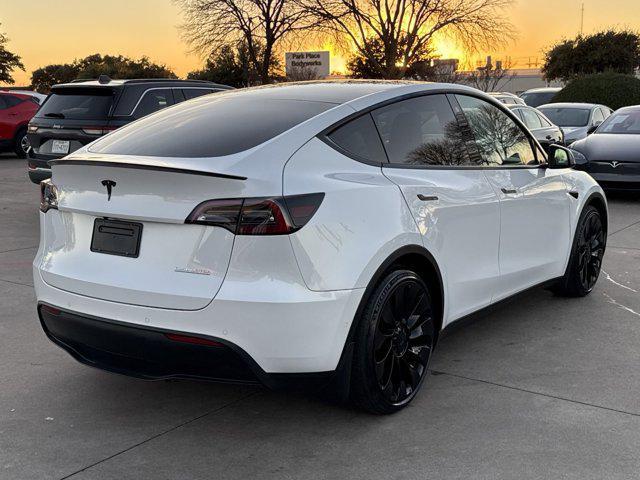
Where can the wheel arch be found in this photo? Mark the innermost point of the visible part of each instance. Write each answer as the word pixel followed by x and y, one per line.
pixel 19 128
pixel 598 201
pixel 414 257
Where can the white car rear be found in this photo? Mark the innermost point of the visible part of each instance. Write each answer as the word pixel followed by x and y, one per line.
pixel 305 234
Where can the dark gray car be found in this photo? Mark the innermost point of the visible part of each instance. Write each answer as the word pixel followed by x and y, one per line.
pixel 542 128
pixel 611 155
pixel 539 96
pixel 75 114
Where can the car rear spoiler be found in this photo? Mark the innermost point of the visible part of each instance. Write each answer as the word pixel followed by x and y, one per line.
pixel 141 165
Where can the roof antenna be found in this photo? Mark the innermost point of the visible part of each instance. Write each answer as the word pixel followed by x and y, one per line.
pixel 103 79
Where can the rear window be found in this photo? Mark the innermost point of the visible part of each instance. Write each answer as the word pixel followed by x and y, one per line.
pixel 209 127
pixel 535 99
pixel 567 117
pixel 78 104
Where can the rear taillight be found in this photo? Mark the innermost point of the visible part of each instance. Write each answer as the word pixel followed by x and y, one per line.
pixel 98 130
pixel 48 196
pixel 258 216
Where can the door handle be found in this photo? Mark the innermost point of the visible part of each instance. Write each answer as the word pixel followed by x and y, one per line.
pixel 509 191
pixel 427 198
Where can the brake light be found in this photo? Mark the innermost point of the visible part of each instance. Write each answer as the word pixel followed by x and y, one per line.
pixel 258 216
pixel 98 130
pixel 48 196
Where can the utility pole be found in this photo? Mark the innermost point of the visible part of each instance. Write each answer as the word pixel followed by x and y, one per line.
pixel 582 19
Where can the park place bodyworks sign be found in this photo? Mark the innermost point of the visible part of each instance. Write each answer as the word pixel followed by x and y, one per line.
pixel 318 62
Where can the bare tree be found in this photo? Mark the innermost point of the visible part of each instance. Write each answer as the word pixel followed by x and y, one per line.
pixel 407 27
pixel 259 24
pixel 490 78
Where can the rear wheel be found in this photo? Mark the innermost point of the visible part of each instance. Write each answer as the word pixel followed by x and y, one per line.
pixel 393 345
pixel 586 256
pixel 21 144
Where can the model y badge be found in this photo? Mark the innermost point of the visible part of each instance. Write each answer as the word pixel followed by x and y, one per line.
pixel 615 164
pixel 109 184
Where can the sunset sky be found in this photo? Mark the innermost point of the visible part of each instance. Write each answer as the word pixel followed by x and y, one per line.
pixel 46 31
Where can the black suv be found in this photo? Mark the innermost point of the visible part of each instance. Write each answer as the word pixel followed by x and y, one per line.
pixel 77 113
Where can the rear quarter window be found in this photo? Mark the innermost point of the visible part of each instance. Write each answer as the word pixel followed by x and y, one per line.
pixel 209 127
pixel 359 137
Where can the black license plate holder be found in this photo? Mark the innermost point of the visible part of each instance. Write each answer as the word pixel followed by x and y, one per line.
pixel 116 237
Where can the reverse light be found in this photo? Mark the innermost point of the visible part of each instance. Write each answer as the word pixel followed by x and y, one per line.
pixel 98 130
pixel 258 216
pixel 48 196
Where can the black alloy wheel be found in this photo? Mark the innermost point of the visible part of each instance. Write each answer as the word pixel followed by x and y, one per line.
pixel 395 343
pixel 590 251
pixel 587 252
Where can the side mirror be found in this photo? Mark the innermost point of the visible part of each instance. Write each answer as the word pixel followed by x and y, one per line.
pixel 560 157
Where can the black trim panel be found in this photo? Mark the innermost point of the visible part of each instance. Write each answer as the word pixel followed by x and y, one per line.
pixel 139 166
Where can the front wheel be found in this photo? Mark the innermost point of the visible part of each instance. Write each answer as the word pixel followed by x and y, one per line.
pixel 586 256
pixel 393 345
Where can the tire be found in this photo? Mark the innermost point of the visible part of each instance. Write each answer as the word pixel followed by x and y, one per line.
pixel 393 343
pixel 588 248
pixel 19 143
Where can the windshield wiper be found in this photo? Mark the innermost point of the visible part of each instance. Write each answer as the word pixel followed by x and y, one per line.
pixel 54 115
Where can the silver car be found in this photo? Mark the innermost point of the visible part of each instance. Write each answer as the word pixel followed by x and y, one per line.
pixel 577 120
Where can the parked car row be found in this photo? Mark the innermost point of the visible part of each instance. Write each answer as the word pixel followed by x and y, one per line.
pixel 80 112
pixel 605 143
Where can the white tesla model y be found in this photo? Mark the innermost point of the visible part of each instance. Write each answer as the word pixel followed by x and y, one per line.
pixel 306 234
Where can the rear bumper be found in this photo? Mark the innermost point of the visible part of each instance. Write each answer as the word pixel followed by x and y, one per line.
pixel 283 327
pixel 151 354
pixel 142 352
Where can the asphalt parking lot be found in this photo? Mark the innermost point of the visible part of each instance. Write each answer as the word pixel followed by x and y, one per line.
pixel 541 387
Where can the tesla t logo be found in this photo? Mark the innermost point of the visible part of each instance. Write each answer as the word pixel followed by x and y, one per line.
pixel 615 164
pixel 109 184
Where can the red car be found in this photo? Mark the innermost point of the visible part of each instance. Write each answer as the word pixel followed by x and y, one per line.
pixel 16 109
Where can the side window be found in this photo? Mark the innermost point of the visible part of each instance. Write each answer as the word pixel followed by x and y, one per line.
pixel 518 113
pixel 499 139
pixel 545 123
pixel 598 117
pixel 152 101
pixel 531 119
pixel 359 137
pixel 3 103
pixel 190 93
pixel 421 131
